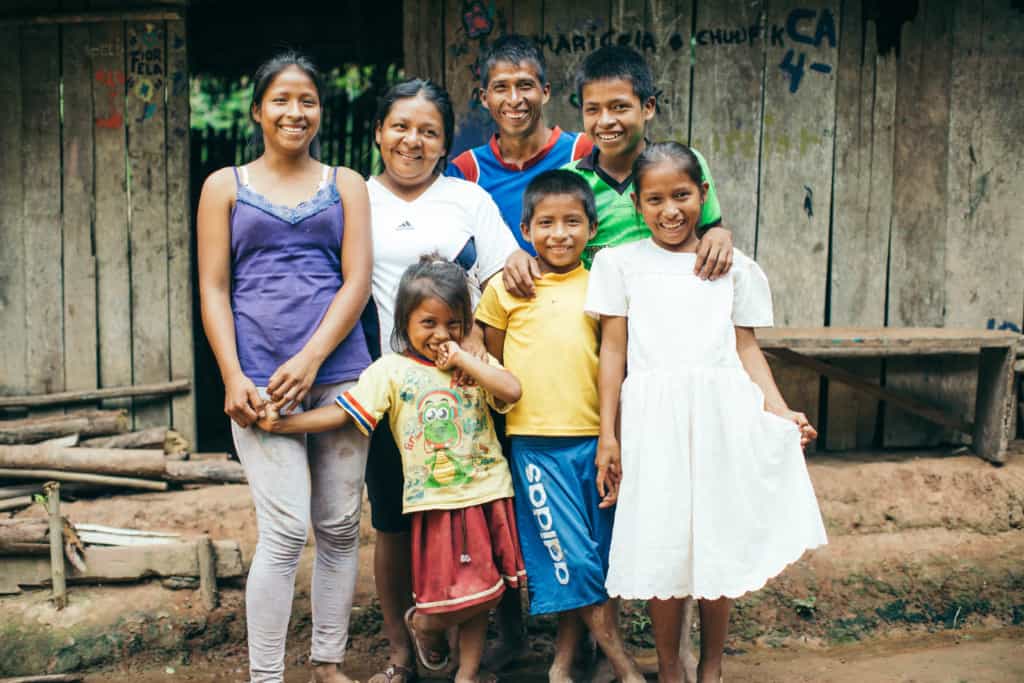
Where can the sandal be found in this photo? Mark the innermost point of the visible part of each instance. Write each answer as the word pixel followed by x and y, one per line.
pixel 395 673
pixel 439 657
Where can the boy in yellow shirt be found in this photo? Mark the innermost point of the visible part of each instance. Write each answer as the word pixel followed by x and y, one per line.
pixel 551 345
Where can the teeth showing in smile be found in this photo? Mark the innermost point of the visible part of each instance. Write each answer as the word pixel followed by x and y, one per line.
pixel 514 115
pixel 405 155
pixel 292 129
pixel 608 137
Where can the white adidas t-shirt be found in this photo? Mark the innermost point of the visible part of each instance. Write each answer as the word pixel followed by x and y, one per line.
pixel 443 219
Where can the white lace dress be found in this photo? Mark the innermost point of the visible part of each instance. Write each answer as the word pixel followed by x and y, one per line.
pixel 715 497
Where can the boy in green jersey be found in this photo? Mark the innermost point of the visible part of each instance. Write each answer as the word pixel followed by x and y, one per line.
pixel 617 97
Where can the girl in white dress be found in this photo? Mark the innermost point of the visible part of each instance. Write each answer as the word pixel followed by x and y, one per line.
pixel 713 493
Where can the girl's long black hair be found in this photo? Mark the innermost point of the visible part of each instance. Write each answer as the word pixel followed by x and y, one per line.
pixel 265 75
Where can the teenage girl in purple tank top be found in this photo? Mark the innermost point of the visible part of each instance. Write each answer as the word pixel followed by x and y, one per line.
pixel 285 260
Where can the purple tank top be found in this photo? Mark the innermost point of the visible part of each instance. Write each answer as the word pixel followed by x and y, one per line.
pixel 285 271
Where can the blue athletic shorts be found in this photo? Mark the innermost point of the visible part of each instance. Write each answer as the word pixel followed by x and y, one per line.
pixel 564 535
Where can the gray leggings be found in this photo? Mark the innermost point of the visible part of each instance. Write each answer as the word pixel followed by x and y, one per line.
pixel 296 480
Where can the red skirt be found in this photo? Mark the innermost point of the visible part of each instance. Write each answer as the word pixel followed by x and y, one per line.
pixel 462 558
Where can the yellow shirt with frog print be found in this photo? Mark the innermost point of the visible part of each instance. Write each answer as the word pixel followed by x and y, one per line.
pixel 451 458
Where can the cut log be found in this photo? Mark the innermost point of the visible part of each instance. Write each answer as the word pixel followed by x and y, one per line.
pixel 15 503
pixel 209 457
pixel 83 423
pixel 205 472
pixel 169 440
pixel 126 564
pixel 46 678
pixel 99 479
pixel 65 397
pixel 35 530
pixel 117 461
pixel 97 534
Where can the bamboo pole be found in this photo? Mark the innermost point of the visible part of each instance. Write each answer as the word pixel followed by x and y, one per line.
pixel 177 386
pixel 60 590
pixel 57 475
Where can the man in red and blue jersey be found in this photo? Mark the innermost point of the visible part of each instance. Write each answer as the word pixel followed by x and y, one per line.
pixel 514 89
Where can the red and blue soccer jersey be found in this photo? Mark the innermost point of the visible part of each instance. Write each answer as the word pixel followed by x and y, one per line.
pixel 506 182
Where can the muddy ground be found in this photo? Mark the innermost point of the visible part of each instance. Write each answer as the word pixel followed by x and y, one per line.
pixel 922 580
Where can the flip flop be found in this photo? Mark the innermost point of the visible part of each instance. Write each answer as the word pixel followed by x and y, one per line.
pixel 403 674
pixel 421 655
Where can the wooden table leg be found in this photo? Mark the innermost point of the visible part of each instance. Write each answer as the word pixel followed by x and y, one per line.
pixel 992 407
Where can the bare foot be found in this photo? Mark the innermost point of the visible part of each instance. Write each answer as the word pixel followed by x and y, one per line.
pixel 504 651
pixel 557 674
pixel 328 672
pixel 602 671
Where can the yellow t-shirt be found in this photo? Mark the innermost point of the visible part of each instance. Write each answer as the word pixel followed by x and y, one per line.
pixel 551 345
pixel 450 454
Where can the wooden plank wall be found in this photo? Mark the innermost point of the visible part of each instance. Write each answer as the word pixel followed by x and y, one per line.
pixel 96 265
pixel 868 154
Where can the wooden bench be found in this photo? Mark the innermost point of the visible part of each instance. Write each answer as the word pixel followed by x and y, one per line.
pixel 996 350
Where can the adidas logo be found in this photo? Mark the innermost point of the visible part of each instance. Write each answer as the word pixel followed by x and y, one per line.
pixel 404 225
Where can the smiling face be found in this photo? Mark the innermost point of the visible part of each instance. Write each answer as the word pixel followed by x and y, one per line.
pixel 411 141
pixel 431 324
pixel 289 112
pixel 615 118
pixel 670 202
pixel 559 230
pixel 515 97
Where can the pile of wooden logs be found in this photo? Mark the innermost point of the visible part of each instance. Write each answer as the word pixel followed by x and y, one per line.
pixel 93 449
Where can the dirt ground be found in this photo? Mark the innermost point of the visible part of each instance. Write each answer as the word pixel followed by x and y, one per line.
pixel 921 581
pixel 981 658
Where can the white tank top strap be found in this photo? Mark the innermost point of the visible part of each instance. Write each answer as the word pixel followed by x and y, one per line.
pixel 324 176
pixel 243 175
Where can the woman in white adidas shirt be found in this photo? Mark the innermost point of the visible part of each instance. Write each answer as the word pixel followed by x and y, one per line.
pixel 416 210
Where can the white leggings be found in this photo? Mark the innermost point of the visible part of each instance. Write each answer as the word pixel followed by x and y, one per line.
pixel 296 480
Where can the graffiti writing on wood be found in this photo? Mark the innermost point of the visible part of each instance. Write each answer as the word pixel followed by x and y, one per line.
pixel 476 20
pixel 146 68
pixel 803 27
pixel 992 324
pixel 113 82
pixel 589 41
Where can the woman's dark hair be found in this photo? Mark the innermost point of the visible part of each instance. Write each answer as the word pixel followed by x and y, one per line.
pixel 431 92
pixel 265 75
pixel 432 276
pixel 684 159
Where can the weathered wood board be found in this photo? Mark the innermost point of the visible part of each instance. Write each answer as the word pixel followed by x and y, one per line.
pixel 918 253
pixel 571 32
pixel 120 564
pixel 41 191
pixel 13 337
pixel 179 232
pixel 113 277
pixel 146 113
pixel 80 330
pixel 796 169
pixel 659 31
pixel 861 216
pixel 727 112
